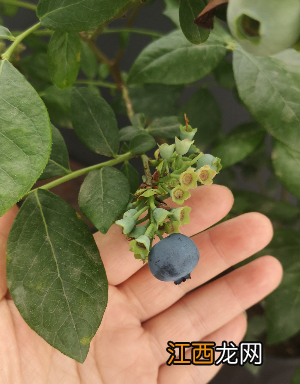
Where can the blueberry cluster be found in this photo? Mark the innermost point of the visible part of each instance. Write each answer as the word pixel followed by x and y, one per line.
pixel 179 167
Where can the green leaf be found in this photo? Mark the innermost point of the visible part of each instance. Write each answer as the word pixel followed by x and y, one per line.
pixel 104 196
pixel 167 127
pixel 141 143
pixel 55 274
pixel 204 113
pixel 36 43
pixel 36 67
pixel 283 304
pixel 138 120
pixel 224 74
pixel 132 176
pixel 58 103
pixel 88 63
pixel 256 326
pixel 246 201
pixel 25 136
pixel 172 11
pixel 128 133
pixel 94 122
pixel 174 60
pixel 58 163
pixel 296 377
pixel 77 15
pixel 64 58
pixel 240 143
pixel 5 34
pixel 286 163
pixel 154 100
pixel 269 87
pixel 188 11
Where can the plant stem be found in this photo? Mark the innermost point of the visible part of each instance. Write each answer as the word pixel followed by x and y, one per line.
pixel 6 55
pixel 98 83
pixel 159 235
pixel 83 171
pixel 145 160
pixel 133 30
pixel 127 100
pixel 22 4
pixel 138 214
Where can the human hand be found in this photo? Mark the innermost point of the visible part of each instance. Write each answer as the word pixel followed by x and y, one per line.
pixel 143 313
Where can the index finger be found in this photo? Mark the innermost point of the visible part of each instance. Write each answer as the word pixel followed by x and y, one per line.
pixel 209 205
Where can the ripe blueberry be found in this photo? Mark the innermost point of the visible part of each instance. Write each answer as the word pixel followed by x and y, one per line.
pixel 173 258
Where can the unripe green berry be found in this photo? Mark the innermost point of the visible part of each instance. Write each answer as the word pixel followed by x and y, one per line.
pixel 213 162
pixel 264 27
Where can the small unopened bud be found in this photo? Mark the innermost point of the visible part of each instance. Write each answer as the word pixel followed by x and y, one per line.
pixel 166 151
pixel 182 146
pixel 172 227
pixel 160 215
pixel 140 247
pixel 213 162
pixel 128 224
pixel 130 213
pixel 181 215
pixel 187 132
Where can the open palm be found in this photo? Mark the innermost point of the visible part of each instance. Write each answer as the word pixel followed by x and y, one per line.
pixel 143 313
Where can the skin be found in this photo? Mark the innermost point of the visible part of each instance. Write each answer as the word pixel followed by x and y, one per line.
pixel 144 313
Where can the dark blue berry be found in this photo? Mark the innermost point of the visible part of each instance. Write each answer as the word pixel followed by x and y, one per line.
pixel 173 258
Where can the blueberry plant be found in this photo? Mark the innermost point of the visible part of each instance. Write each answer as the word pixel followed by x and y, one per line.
pixel 53 73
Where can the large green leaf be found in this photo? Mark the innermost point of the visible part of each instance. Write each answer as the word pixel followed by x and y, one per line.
pixel 204 113
pixel 132 175
pixel 283 305
pixel 188 11
pixel 172 59
pixel 167 127
pixel 270 88
pixel 88 62
pixel 141 143
pixel 58 163
pixel 64 58
pixel 103 197
pixel 247 201
pixel 58 103
pixel 55 274
pixel 240 143
pixel 77 15
pixel 94 122
pixel 154 100
pixel 25 136
pixel 286 163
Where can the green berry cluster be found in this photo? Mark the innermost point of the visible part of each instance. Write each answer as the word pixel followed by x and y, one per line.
pixel 179 167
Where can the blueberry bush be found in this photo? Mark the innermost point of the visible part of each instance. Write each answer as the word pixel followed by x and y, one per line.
pixel 52 74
